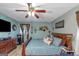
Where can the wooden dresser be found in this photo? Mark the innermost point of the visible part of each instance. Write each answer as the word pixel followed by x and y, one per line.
pixel 7 45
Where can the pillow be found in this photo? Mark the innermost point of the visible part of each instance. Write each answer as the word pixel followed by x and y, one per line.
pixel 47 40
pixel 57 41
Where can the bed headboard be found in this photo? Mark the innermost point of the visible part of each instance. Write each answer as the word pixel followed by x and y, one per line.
pixel 66 39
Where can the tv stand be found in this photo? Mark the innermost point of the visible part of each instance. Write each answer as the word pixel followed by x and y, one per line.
pixel 7 45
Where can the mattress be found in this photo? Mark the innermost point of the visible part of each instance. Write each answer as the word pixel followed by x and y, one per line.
pixel 37 47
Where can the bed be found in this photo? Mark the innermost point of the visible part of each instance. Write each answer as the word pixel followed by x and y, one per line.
pixel 36 47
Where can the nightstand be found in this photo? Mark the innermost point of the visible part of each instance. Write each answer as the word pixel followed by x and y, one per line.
pixel 65 52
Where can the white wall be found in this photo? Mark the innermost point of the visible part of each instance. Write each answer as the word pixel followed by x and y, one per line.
pixel 69 27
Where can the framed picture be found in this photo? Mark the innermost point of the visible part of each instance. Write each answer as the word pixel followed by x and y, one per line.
pixel 43 28
pixel 59 24
pixel 14 27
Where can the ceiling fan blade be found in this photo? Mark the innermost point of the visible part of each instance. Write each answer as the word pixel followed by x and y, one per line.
pixel 22 10
pixel 36 16
pixel 40 11
pixel 27 16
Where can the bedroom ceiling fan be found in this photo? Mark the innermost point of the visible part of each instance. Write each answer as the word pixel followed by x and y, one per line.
pixel 31 11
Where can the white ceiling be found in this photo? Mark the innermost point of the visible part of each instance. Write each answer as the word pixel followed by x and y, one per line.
pixel 54 10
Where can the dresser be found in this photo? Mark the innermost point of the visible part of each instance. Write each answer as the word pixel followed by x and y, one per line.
pixel 7 45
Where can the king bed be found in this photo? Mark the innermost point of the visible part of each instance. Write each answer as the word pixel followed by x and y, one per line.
pixel 37 47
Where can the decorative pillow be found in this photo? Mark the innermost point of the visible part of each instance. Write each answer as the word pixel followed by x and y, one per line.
pixel 47 40
pixel 57 41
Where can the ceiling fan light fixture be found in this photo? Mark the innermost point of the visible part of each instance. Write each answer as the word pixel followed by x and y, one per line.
pixel 29 13
pixel 36 16
pixel 33 13
pixel 26 16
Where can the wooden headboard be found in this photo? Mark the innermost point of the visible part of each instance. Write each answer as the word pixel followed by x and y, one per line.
pixel 66 39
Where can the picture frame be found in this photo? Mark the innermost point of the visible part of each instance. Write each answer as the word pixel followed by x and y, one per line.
pixel 59 24
pixel 14 27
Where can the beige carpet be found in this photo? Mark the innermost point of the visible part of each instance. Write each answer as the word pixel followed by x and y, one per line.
pixel 16 52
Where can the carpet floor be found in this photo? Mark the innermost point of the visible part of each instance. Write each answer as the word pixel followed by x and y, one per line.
pixel 16 52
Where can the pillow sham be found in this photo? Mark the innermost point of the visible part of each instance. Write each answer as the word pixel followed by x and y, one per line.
pixel 57 41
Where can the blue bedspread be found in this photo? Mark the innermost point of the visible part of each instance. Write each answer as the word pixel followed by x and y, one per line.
pixel 38 47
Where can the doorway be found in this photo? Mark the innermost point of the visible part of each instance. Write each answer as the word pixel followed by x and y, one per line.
pixel 25 32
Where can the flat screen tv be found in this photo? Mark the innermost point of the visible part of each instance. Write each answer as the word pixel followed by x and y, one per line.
pixel 5 26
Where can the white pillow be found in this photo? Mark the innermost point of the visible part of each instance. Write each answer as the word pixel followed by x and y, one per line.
pixel 47 40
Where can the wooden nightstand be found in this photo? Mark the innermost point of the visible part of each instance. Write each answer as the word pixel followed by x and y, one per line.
pixel 65 52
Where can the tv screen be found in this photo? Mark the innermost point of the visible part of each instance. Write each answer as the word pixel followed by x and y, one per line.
pixel 5 26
